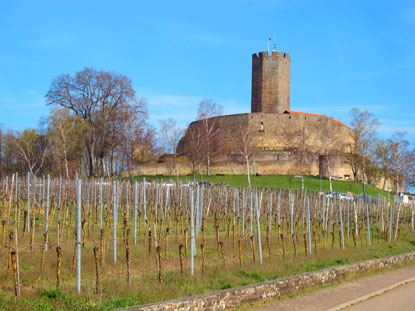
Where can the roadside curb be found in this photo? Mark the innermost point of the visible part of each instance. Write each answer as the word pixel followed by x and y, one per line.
pixel 234 297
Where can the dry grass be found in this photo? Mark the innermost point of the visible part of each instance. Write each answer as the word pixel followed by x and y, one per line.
pixel 38 286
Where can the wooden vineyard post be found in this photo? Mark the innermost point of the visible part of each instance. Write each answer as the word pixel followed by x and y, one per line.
pixel 253 247
pixel 294 246
pixel 166 250
pixel 283 245
pixel 127 255
pixel 96 269
pixel 17 261
pixel 42 262
pixel 3 230
pixel 9 260
pixel 240 252
pixel 185 241
pixel 159 274
pixel 305 244
pixel 58 268
pixel 202 249
pixel 149 242
pixel 268 245
pixel 32 234
pixel 102 245
pixel 15 274
pixel 181 258
pixel 222 251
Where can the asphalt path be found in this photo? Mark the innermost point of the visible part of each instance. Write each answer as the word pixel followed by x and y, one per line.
pixel 401 298
pixel 389 290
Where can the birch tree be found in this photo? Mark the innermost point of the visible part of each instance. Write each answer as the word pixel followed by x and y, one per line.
pixel 365 127
pixel 169 135
pixel 208 113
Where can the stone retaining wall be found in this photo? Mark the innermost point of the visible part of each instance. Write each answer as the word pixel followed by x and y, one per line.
pixel 231 298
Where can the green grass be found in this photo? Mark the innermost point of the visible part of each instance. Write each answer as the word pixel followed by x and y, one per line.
pixel 312 183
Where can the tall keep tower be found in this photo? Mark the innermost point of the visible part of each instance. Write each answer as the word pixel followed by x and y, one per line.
pixel 270 82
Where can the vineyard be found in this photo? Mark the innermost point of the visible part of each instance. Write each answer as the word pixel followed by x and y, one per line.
pixel 101 244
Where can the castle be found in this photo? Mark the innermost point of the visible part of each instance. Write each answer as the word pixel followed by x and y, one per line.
pixel 278 133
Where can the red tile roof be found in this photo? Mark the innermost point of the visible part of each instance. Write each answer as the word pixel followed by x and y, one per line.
pixel 315 114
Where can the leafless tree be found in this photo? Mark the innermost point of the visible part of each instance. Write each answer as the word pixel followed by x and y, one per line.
pixel 329 143
pixel 97 97
pixel 299 141
pixel 383 158
pixel 31 147
pixel 133 133
pixel 365 127
pixel 208 113
pixel 169 135
pixel 246 147
pixel 64 131
pixel 400 157
pixel 193 146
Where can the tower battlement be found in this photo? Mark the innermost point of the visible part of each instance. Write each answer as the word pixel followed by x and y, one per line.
pixel 270 82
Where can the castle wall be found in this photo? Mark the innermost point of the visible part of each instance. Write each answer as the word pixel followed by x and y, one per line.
pixel 270 82
pixel 265 163
pixel 288 131
pixel 283 132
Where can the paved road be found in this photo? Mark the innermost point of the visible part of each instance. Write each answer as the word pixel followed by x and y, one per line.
pixel 401 298
pixel 390 290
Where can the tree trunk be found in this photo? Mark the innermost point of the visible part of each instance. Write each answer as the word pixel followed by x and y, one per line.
pixel 176 168
pixel 247 172
pixel 208 166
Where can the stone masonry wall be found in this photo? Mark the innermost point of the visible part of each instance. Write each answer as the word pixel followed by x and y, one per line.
pixel 270 82
pixel 232 298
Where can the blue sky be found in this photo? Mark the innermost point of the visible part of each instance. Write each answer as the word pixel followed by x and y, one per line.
pixel 344 54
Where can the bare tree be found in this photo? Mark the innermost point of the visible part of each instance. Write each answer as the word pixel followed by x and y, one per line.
pixel 400 157
pixel 64 131
pixel 329 143
pixel 365 127
pixel 299 141
pixel 31 147
pixel 97 97
pixel 193 146
pixel 383 158
pixel 246 147
pixel 169 135
pixel 208 113
pixel 133 133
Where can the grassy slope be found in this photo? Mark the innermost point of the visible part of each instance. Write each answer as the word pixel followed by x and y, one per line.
pixel 312 183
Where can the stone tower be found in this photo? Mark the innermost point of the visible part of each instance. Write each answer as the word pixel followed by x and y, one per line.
pixel 270 82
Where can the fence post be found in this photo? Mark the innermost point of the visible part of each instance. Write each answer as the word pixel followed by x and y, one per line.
pixel 78 236
pixel 192 232
pixel 47 213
